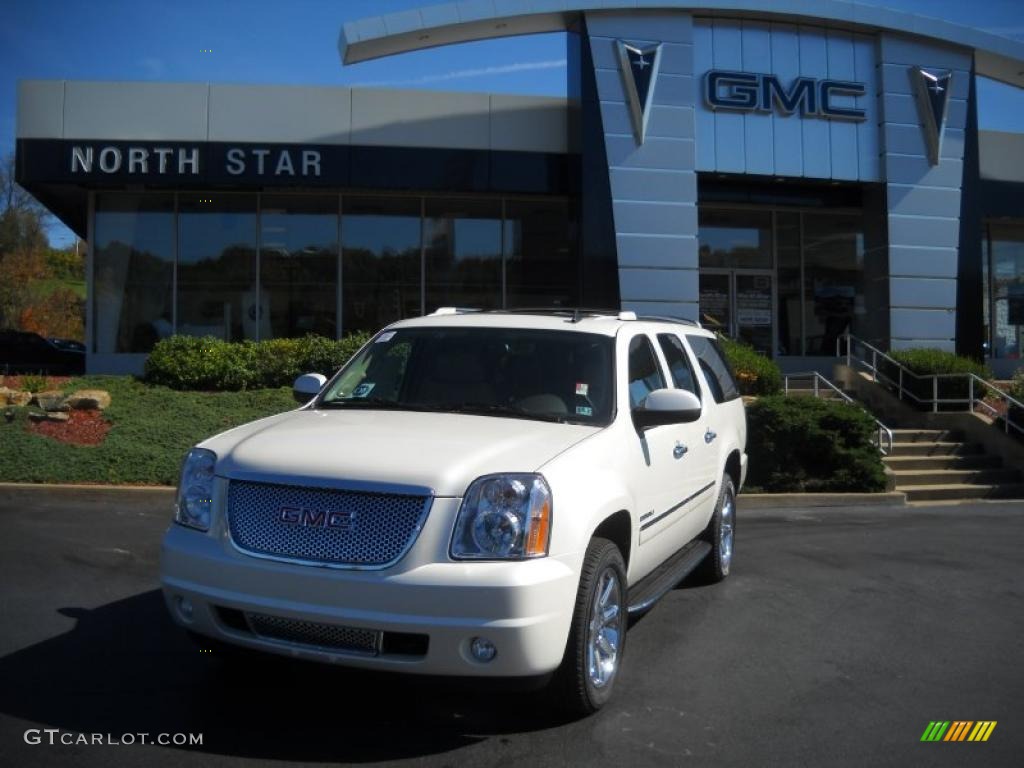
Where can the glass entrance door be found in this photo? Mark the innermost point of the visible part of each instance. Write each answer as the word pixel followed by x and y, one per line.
pixel 740 304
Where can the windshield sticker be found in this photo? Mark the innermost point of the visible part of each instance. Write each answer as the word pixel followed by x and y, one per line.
pixel 583 410
pixel 363 389
pixel 385 337
pixel 582 389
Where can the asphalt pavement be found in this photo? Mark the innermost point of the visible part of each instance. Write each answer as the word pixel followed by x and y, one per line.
pixel 839 636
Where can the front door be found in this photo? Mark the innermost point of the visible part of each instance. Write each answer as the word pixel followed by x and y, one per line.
pixel 740 304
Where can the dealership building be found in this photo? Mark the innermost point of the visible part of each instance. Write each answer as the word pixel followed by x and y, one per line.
pixel 781 176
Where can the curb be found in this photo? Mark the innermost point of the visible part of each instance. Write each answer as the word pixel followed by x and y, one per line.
pixel 91 492
pixel 748 501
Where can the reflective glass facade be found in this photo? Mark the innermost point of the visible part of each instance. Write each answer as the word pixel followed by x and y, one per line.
pixel 249 266
pixel 1004 289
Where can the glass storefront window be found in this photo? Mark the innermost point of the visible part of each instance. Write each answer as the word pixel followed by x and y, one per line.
pixel 787 251
pixel 381 261
pixel 133 272
pixel 541 268
pixel 462 253
pixel 217 267
pixel 735 239
pixel 833 250
pixel 299 264
pixel 1006 288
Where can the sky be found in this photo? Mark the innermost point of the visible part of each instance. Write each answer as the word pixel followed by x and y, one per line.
pixel 296 42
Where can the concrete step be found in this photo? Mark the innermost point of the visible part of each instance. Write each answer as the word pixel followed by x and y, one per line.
pixel 976 461
pixel 1001 476
pixel 935 449
pixel 926 436
pixel 963 491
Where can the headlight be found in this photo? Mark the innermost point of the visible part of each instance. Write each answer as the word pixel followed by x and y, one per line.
pixel 195 491
pixel 504 517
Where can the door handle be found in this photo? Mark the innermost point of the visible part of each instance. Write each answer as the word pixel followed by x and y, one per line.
pixel 679 451
pixel 709 436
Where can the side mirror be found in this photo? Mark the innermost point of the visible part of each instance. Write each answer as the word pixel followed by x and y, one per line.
pixel 308 386
pixel 666 406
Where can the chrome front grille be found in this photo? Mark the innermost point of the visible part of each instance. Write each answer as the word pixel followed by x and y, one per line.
pixel 315 635
pixel 328 526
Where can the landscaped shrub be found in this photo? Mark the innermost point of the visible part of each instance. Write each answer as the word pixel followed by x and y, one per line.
pixel 805 444
pixel 927 362
pixel 210 364
pixel 756 374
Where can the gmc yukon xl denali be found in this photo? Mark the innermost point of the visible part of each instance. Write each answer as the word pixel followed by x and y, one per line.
pixel 472 494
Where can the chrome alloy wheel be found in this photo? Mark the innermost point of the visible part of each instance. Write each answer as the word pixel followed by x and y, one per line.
pixel 725 529
pixel 604 629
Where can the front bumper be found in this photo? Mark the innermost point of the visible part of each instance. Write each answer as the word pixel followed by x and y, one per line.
pixel 524 608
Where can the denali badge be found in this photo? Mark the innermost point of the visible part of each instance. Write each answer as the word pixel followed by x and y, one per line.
pixel 316 518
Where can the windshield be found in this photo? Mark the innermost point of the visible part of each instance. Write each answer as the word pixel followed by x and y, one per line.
pixel 511 372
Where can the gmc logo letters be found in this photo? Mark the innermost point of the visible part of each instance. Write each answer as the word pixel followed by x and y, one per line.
pixel 315 518
pixel 750 91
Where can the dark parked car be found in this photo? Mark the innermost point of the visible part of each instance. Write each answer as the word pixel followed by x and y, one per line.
pixel 22 352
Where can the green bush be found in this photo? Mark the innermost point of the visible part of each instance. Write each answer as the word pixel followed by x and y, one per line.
pixel 1017 393
pixel 755 373
pixel 804 444
pixel 209 364
pixel 927 362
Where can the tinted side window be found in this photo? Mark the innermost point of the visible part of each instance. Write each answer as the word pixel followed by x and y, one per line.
pixel 678 363
pixel 644 373
pixel 716 369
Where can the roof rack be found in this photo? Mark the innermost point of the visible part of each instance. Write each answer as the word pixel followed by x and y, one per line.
pixel 576 313
pixel 665 319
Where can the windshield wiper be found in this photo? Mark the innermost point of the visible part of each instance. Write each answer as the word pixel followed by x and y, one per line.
pixel 378 403
pixel 493 409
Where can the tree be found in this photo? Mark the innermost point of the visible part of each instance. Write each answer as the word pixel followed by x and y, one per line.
pixel 22 218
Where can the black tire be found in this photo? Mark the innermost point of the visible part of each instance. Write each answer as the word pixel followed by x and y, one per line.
pixel 716 566
pixel 577 692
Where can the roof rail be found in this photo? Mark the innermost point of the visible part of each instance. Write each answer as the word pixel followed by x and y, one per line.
pixel 576 313
pixel 666 319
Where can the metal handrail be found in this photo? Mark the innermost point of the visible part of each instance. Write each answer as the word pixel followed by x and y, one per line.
pixel 974 382
pixel 884 434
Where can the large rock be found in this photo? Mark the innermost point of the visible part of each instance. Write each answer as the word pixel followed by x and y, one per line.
pixel 51 400
pixel 49 416
pixel 89 400
pixel 19 397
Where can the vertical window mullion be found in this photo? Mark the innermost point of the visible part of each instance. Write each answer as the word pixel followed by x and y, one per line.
pixel 339 323
pixel 423 256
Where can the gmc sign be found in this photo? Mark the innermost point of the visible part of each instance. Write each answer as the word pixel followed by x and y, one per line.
pixel 750 92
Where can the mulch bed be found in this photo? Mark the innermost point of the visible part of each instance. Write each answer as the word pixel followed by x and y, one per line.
pixel 83 428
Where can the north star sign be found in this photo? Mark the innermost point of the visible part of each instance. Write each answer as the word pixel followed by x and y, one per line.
pixel 753 92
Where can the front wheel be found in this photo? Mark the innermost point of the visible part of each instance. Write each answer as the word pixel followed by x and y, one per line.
pixel 597 636
pixel 720 534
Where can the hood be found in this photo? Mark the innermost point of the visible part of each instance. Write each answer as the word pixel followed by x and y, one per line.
pixel 441 451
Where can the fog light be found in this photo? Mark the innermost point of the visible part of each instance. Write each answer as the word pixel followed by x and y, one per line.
pixel 482 649
pixel 184 606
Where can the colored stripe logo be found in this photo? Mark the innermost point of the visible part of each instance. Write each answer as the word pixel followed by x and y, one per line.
pixel 958 730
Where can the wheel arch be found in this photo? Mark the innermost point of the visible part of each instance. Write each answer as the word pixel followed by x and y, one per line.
pixel 618 529
pixel 734 468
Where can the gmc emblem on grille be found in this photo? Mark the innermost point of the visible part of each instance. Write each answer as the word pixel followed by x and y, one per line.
pixel 316 518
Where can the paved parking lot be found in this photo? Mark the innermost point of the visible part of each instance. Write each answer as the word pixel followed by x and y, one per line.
pixel 840 635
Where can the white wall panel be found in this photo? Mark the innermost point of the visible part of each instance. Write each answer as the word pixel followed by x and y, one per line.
pixel 727 53
pixel 842 133
pixel 815 133
pixel 757 126
pixel 704 118
pixel 786 131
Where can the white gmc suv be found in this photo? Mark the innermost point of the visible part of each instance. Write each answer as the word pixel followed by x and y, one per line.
pixel 472 494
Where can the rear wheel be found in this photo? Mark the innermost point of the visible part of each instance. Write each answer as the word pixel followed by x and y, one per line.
pixel 597 636
pixel 720 534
